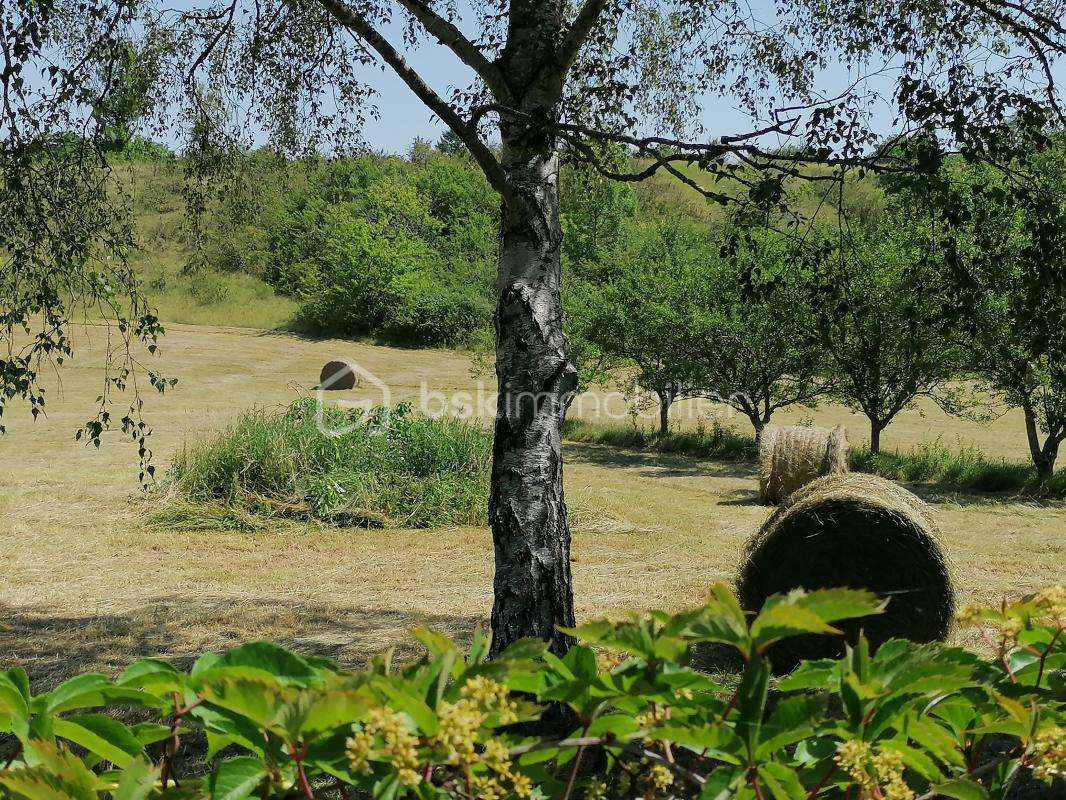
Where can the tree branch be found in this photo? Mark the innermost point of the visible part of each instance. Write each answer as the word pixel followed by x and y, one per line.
pixel 452 38
pixel 569 48
pixel 358 25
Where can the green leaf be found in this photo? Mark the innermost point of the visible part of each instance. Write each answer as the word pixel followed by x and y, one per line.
pixel 961 789
pixel 80 691
pixel 722 784
pixel 150 732
pixel 915 759
pixel 260 700
pixel 333 709
pixel 102 735
pixel 137 781
pixel 56 774
pixel 717 741
pixel 523 650
pixel 780 620
pixel 93 690
pixel 236 778
pixel 833 605
pixel 792 721
pixel 810 675
pixel 152 675
pixel 582 662
pixel 281 664
pixel 751 700
pixel 936 740
pixel 17 677
pixel 14 707
pixel 782 781
pixel 437 644
pixel 235 728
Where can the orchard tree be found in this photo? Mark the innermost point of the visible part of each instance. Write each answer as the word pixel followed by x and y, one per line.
pixel 883 318
pixel 644 309
pixel 1003 239
pixel 757 354
pixel 543 74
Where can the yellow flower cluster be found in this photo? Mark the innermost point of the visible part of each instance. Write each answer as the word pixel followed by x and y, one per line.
pixel 461 720
pixel 1049 754
pixel 653 716
pixel 888 766
pixel 1048 604
pixel 650 783
pixel 876 774
pixel 385 733
pixel 658 780
pixel 491 696
pixel 976 615
pixel 596 791
pixel 457 737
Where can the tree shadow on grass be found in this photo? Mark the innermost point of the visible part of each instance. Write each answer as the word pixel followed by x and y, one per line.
pixel 940 494
pixel 654 464
pixel 55 646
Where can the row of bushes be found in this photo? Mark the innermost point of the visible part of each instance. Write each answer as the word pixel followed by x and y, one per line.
pixel 928 463
pixel 622 714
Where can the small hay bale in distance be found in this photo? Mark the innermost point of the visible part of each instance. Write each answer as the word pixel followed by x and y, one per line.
pixel 860 532
pixel 792 456
pixel 338 375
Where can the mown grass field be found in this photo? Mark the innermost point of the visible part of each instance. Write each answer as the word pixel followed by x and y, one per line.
pixel 89 582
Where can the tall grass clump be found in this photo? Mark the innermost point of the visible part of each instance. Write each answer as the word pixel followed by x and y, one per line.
pixel 715 441
pixel 386 468
pixel 966 468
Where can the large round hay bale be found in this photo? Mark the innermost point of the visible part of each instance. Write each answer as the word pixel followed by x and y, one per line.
pixel 338 375
pixel 792 456
pixel 857 531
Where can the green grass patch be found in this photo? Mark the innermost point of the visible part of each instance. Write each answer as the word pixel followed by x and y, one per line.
pixel 387 468
pixel 209 297
pixel 703 441
pixel 966 468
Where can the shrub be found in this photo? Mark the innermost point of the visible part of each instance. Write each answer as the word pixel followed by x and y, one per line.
pixel 397 251
pixel 639 721
pixel 388 468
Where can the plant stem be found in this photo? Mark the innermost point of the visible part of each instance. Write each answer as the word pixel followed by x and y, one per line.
pixel 1044 655
pixel 305 786
pixel 576 765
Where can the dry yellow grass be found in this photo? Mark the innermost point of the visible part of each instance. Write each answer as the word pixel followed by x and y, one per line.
pixel 87 584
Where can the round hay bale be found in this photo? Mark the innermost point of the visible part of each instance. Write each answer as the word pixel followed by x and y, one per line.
pixel 857 531
pixel 338 375
pixel 792 456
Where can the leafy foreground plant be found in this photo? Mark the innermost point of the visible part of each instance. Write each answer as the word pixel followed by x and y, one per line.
pixel 385 467
pixel 910 721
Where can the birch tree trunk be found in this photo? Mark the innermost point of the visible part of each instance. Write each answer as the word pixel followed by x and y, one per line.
pixel 527 509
